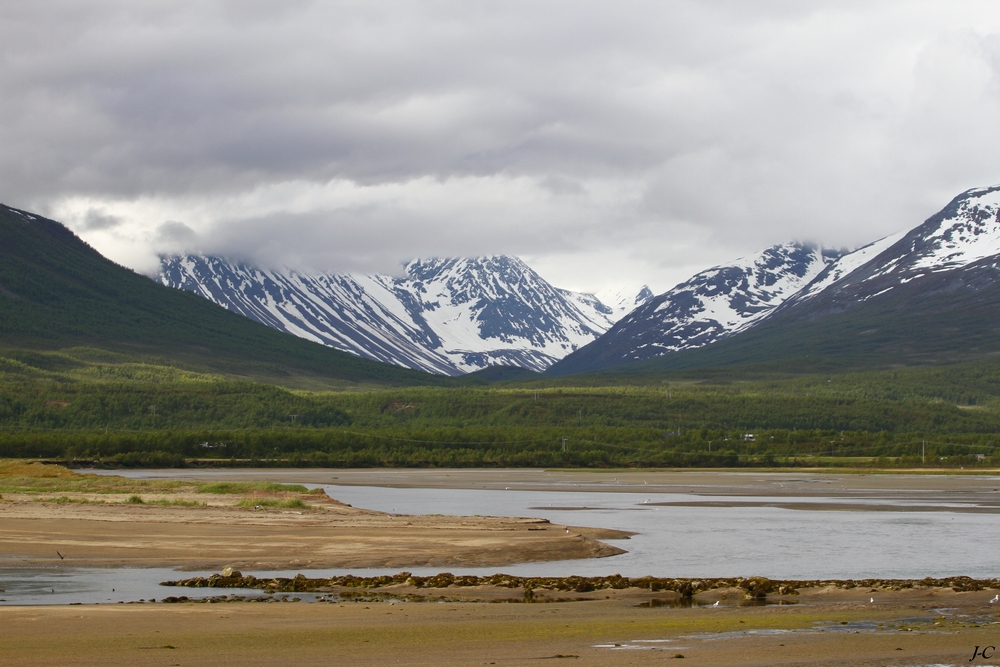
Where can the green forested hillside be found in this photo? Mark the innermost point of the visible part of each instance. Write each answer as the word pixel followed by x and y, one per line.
pixel 57 292
pixel 89 405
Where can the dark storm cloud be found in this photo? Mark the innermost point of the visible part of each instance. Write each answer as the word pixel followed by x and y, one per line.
pixel 358 134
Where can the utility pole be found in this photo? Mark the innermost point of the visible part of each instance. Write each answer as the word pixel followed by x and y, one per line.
pixel 923 451
pixel 153 408
pixel 293 418
pixel 564 443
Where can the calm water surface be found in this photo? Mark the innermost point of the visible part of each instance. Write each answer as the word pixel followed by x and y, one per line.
pixel 671 540
pixel 685 541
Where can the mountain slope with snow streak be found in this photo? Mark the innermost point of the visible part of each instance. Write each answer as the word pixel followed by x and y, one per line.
pixel 448 316
pixel 715 303
pixel 349 313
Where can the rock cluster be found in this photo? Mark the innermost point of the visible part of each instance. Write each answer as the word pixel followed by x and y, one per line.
pixel 753 587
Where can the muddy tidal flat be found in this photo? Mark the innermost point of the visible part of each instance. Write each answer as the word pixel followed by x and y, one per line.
pixel 828 626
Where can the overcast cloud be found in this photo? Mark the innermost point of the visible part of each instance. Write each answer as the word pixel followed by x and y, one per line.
pixel 605 143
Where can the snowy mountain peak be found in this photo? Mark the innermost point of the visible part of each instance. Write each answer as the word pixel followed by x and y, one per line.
pixel 715 303
pixel 958 248
pixel 449 315
pixel 965 231
pixel 465 280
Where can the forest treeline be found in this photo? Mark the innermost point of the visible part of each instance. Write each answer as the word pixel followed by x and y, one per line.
pixel 145 414
pixel 490 447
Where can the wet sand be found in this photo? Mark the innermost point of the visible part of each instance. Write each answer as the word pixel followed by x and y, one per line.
pixel 828 627
pixel 330 535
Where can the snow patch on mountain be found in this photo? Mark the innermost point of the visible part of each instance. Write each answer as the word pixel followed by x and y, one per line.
pixel 966 231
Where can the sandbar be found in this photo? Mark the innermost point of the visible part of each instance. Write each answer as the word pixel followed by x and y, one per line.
pixel 34 534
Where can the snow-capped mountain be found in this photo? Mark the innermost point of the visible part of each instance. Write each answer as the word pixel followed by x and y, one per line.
pixel 459 315
pixel 447 316
pixel 956 249
pixel 715 303
pixel 962 235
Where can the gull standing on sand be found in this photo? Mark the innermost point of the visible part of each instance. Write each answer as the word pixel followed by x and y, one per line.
pixel 996 598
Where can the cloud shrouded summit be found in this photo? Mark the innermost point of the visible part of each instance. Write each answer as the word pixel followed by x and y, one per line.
pixel 626 142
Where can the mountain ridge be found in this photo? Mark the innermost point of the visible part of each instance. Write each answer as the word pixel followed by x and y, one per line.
pixel 445 315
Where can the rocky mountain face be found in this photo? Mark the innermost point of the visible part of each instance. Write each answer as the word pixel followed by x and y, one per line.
pixel 713 304
pixel 447 316
pixel 871 291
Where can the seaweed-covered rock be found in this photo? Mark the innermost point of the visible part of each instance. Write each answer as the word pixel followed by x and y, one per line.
pixel 757 588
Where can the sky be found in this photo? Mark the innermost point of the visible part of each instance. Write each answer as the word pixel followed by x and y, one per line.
pixel 605 143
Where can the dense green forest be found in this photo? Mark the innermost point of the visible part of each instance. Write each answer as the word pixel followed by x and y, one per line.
pixel 88 406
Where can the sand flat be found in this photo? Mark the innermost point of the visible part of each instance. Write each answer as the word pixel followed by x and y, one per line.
pixel 116 534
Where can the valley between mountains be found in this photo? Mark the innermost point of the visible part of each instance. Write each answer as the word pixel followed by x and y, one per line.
pixel 797 355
